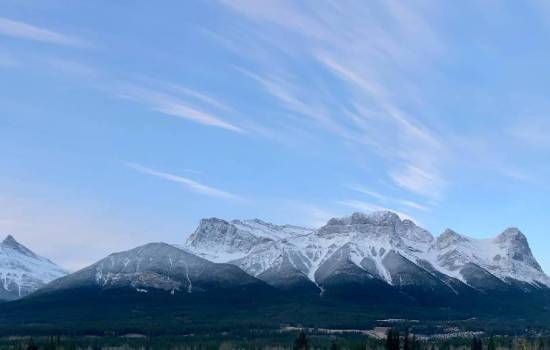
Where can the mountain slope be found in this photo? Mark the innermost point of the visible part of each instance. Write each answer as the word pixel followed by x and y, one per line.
pixel 22 271
pixel 157 267
pixel 222 241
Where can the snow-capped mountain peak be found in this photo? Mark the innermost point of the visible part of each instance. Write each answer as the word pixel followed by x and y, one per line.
pixel 383 225
pixel 22 271
pixel 507 256
pixel 374 218
pixel 449 238
pixel 220 241
pixel 11 242
pixel 514 243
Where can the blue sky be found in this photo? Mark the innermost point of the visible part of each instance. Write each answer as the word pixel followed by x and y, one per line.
pixel 127 122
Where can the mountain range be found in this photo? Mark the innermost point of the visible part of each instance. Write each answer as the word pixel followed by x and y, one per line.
pixel 363 248
pixel 368 260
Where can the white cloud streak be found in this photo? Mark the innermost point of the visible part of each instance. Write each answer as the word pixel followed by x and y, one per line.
pixel 22 30
pixel 388 199
pixel 192 185
pixel 73 68
pixel 201 96
pixel 173 106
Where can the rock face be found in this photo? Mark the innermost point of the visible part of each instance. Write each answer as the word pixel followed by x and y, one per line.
pixel 22 271
pixel 506 257
pixel 157 266
pixel 370 249
pixel 221 241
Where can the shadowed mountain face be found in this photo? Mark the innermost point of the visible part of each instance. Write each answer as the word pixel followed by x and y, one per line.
pixel 158 267
pixel 22 271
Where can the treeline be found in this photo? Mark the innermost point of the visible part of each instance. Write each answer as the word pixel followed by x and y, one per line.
pixel 395 340
pixel 274 341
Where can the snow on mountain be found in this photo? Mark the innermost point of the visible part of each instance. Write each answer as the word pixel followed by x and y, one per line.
pixel 369 238
pixel 22 271
pixel 379 245
pixel 363 239
pixel 156 266
pixel 506 256
pixel 221 241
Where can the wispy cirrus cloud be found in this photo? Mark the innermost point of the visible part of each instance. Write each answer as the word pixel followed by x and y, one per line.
pixel 169 104
pixel 419 178
pixel 365 58
pixel 192 185
pixel 22 30
pixel 387 199
pixel 182 101
pixel 72 68
pixel 199 96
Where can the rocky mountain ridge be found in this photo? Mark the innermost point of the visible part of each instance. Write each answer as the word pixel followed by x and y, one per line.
pixel 379 245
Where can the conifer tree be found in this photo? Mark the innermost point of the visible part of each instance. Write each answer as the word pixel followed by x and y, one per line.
pixel 491 345
pixel 476 344
pixel 414 343
pixel 392 340
pixel 32 345
pixel 301 342
pixel 406 344
pixel 389 339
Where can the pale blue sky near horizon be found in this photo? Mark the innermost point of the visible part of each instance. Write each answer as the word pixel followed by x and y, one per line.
pixel 124 122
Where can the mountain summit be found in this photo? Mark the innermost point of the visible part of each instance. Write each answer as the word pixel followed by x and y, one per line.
pixel 221 241
pixel 22 271
pixel 10 242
